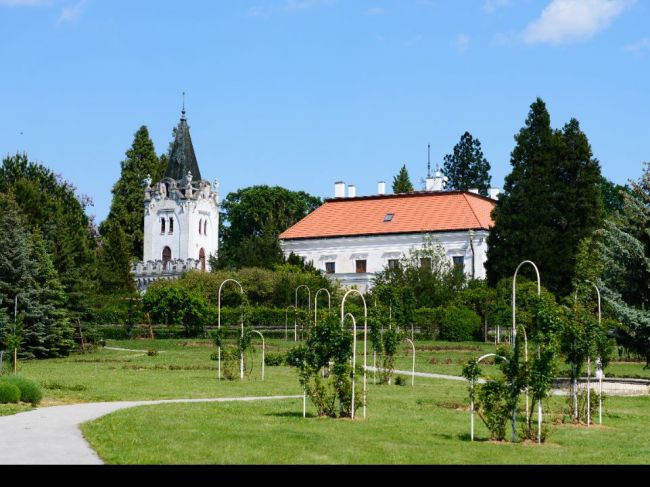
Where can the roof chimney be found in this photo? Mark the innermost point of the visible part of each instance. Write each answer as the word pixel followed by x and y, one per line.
pixel 429 184
pixel 339 189
pixel 352 191
pixel 494 193
pixel 473 190
pixel 381 187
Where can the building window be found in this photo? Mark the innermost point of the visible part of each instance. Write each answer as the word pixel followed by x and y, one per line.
pixel 425 263
pixel 459 263
pixel 171 225
pixel 162 226
pixel 330 267
pixel 360 266
pixel 393 263
pixel 166 256
pixel 200 226
pixel 205 227
pixel 202 259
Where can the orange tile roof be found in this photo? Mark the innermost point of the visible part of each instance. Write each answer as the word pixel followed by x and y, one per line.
pixel 412 213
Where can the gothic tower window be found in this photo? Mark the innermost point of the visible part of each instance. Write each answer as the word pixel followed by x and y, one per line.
pixel 200 226
pixel 162 225
pixel 166 256
pixel 205 227
pixel 171 225
pixel 202 259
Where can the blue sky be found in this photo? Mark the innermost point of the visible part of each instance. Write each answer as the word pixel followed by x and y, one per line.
pixel 302 93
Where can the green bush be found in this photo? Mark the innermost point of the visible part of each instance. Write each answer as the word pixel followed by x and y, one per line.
pixel 459 324
pixel 428 320
pixel 9 393
pixel 274 359
pixel 172 304
pixel 29 390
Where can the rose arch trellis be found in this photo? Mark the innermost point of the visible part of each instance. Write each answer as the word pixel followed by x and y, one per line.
pixel 354 348
pixel 241 319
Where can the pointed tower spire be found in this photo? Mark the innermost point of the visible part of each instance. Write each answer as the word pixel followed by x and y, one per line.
pixel 182 159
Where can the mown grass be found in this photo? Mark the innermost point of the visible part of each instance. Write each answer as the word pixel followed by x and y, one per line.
pixel 427 424
pixel 182 369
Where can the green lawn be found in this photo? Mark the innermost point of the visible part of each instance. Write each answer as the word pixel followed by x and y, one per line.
pixel 425 424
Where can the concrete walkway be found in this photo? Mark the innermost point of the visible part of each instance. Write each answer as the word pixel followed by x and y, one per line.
pixel 51 435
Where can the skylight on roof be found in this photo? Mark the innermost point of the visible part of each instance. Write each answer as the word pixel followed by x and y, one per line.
pixel 388 218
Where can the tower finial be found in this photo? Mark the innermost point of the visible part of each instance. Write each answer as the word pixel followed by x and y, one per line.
pixel 429 160
pixel 183 111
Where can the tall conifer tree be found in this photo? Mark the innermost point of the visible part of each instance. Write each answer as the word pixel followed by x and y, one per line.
pixel 127 207
pixel 467 167
pixel 551 201
pixel 402 183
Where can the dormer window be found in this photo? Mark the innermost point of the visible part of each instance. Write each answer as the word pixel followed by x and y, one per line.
pixel 388 217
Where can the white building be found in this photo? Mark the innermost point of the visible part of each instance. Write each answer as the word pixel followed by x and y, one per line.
pixel 181 217
pixel 350 238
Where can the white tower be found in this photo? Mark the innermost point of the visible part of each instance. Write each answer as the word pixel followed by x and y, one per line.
pixel 181 217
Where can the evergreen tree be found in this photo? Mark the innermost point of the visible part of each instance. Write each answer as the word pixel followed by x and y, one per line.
pixel 114 262
pixel 127 207
pixel 551 201
pixel 52 317
pixel 50 205
pixel 467 167
pixel 613 199
pixel 17 270
pixel 624 248
pixel 402 182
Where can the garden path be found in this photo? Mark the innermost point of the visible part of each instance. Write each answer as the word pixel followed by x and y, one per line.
pixel 51 435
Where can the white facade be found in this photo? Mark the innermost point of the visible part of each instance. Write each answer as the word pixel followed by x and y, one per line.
pixel 377 250
pixel 181 229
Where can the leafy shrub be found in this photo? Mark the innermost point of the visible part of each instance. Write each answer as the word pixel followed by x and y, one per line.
pixel 459 324
pixel 29 390
pixel 493 407
pixel 274 359
pixel 152 353
pixel 173 304
pixel 428 320
pixel 400 381
pixel 9 393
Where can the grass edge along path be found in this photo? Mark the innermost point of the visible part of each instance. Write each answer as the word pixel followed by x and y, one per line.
pixel 52 435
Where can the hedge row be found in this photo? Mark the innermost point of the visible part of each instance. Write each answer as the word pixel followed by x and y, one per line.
pixel 450 323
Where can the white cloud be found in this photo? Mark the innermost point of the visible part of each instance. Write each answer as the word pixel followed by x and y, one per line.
pixel 24 3
pixel 71 14
pixel 305 4
pixel 491 5
pixel 376 11
pixel 639 46
pixel 462 42
pixel 256 11
pixel 564 21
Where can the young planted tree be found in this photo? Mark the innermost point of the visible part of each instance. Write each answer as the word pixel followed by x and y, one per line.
pixel 402 183
pixel 467 167
pixel 328 347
